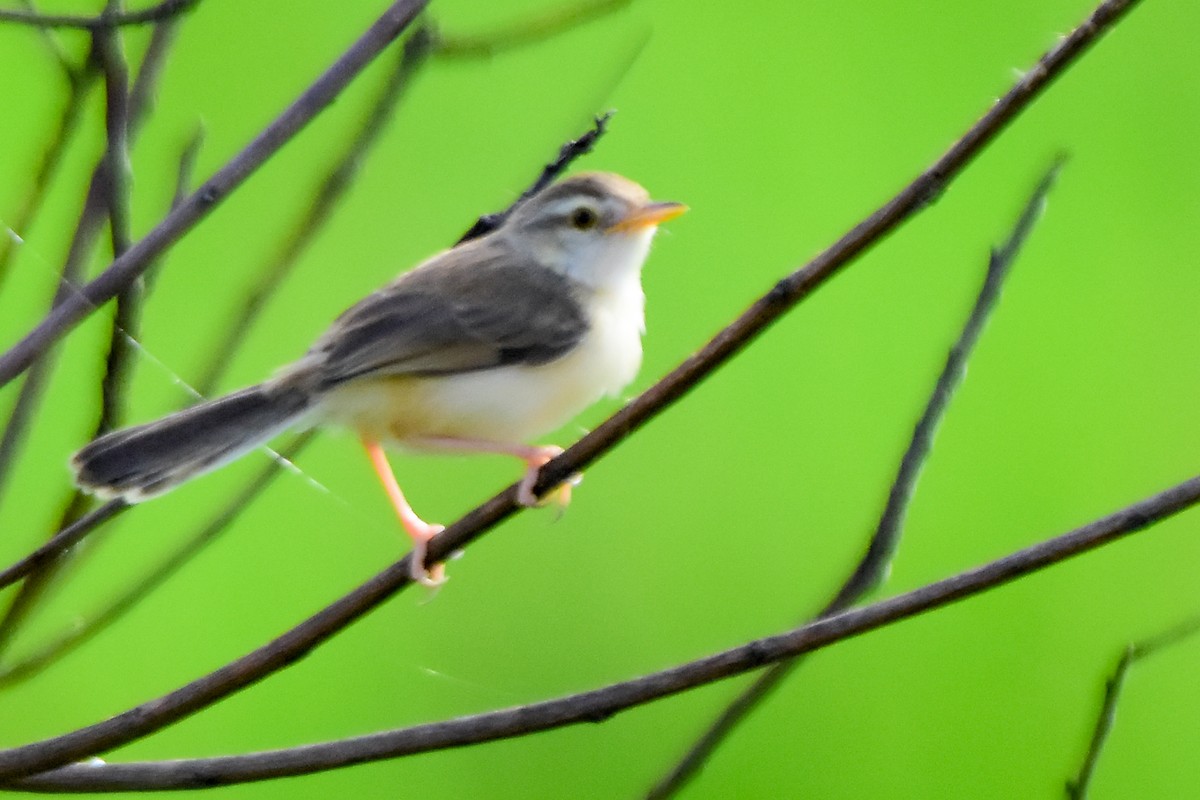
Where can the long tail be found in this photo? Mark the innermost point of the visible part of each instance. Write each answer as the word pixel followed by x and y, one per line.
pixel 146 460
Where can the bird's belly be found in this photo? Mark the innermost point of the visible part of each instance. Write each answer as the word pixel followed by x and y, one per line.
pixel 508 404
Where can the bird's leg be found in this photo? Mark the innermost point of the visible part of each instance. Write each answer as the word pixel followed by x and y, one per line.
pixel 534 456
pixel 418 529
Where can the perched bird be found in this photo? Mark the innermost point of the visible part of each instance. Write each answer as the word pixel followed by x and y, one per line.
pixel 481 348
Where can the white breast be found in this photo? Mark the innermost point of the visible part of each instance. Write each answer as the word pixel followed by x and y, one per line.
pixel 521 403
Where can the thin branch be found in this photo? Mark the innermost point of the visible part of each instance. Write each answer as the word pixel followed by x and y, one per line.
pixel 533 28
pixel 187 166
pixel 63 540
pixel 300 640
pixel 127 319
pixel 185 170
pixel 570 151
pixel 106 20
pixel 597 705
pixel 85 630
pixel 53 44
pixel 330 191
pixel 1077 788
pixel 138 258
pixel 872 568
pixel 145 85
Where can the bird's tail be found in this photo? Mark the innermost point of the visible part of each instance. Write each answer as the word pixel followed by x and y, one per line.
pixel 146 460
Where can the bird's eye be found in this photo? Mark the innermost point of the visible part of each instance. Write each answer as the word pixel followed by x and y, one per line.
pixel 584 218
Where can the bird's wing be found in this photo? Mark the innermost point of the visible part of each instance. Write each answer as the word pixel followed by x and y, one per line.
pixel 454 314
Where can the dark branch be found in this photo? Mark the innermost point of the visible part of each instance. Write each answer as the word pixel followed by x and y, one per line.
pixel 138 258
pixel 598 704
pixel 127 320
pixel 287 648
pixel 106 20
pixel 66 538
pixel 566 154
pixel 54 45
pixel 881 548
pixel 1077 788
pixel 525 31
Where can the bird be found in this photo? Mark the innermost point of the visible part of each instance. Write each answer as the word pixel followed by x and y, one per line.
pixel 484 347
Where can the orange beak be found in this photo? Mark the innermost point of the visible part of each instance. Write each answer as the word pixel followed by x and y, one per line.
pixel 648 215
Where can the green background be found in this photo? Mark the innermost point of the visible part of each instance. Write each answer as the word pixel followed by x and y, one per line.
pixel 737 512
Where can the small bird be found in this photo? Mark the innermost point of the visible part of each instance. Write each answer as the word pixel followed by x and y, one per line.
pixel 481 348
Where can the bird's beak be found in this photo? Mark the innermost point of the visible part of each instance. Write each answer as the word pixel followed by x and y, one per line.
pixel 648 215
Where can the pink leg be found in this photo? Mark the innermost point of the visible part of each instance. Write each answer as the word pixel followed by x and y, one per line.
pixel 419 530
pixel 534 456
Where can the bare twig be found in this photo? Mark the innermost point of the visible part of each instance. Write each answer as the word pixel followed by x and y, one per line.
pixel 1077 788
pixel 53 44
pixel 525 31
pixel 881 548
pixel 106 20
pixel 83 631
pixel 183 185
pixel 293 644
pixel 127 319
pixel 597 705
pixel 63 540
pixel 320 209
pixel 566 154
pixel 138 258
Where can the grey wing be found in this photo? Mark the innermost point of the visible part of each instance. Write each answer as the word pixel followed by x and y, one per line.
pixel 454 315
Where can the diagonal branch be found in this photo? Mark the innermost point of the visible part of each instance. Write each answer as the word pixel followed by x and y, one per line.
pixel 137 259
pixel 601 704
pixel 297 642
pixel 881 549
pixel 525 31
pixel 66 538
pixel 1077 788
pixel 570 151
